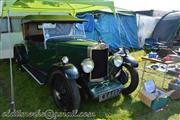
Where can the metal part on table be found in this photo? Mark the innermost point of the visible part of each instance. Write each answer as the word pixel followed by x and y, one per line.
pixel 157 61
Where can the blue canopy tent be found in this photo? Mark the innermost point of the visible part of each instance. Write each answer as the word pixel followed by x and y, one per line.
pixel 117 31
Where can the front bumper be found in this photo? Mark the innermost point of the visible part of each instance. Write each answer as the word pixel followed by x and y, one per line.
pixel 106 89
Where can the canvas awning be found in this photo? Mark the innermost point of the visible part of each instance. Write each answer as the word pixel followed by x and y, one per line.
pixel 66 6
pixel 51 18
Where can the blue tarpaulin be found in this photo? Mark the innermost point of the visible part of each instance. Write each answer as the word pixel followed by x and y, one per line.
pixel 117 31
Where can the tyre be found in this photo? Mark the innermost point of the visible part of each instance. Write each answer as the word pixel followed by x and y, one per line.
pixel 20 56
pixel 65 92
pixel 129 78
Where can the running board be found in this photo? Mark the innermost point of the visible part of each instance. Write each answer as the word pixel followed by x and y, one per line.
pixel 36 74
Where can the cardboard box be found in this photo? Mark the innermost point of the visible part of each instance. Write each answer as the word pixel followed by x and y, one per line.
pixel 154 97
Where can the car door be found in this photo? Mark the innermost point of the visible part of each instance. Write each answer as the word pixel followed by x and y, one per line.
pixel 36 51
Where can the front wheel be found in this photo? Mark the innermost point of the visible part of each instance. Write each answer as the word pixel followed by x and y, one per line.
pixel 129 78
pixel 65 93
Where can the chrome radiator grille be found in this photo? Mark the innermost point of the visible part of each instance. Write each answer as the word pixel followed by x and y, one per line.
pixel 100 58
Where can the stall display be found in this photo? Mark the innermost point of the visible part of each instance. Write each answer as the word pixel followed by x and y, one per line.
pixel 162 67
pixel 159 61
pixel 175 85
pixel 174 71
pixel 152 96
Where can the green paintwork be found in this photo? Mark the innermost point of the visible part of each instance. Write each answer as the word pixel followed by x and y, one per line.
pixel 84 43
pixel 43 54
pixel 75 50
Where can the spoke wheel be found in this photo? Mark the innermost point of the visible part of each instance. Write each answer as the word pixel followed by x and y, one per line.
pixel 65 93
pixel 129 78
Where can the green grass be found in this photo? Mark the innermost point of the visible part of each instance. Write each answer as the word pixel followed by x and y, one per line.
pixel 29 97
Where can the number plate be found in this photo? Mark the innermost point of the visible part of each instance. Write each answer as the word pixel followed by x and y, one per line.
pixel 110 94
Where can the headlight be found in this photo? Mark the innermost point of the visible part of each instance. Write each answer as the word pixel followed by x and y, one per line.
pixel 65 59
pixel 87 65
pixel 117 60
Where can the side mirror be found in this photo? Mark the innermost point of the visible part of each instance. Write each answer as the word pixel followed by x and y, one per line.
pixel 120 51
pixel 65 59
pixel 127 51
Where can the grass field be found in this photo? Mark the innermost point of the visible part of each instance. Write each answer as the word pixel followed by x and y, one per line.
pixel 29 97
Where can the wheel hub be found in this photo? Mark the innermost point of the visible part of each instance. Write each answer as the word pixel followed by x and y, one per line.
pixel 124 77
pixel 57 94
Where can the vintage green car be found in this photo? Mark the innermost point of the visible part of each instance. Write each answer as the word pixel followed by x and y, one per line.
pixel 55 52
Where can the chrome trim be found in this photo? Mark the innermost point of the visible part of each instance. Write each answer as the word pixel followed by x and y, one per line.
pixel 97 80
pixel 32 75
pixel 99 46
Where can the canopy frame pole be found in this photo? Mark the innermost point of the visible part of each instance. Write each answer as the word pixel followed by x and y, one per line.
pixel 1 7
pixel 12 102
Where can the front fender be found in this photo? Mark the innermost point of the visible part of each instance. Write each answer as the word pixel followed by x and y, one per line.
pixel 131 60
pixel 69 70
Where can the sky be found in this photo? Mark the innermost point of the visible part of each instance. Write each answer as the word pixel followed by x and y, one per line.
pixel 165 5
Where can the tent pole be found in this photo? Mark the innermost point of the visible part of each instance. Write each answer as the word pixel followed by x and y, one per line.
pixel 1 7
pixel 12 103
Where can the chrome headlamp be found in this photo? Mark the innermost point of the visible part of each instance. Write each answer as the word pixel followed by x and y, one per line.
pixel 65 59
pixel 117 60
pixel 87 65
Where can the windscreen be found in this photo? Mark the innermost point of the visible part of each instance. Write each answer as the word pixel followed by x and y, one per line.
pixel 66 30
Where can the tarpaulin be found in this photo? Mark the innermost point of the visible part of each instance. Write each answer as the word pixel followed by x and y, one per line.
pixel 116 31
pixel 89 24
